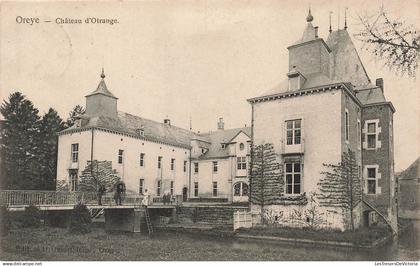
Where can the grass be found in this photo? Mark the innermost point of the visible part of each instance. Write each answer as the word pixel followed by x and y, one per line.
pixel 362 236
pixel 47 243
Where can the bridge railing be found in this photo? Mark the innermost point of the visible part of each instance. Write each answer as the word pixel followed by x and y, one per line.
pixel 52 198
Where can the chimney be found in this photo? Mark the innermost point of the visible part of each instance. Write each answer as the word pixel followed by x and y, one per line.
pixel 316 31
pixel 380 84
pixel 221 124
pixel 167 121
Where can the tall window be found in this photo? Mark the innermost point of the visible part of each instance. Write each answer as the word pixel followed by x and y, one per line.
pixel 141 186
pixel 214 189
pixel 241 163
pixel 120 156
pixel 215 167
pixel 75 152
pixel 359 138
pixel 371 135
pixel 185 166
pixel 371 180
pixel 159 162
pixel 293 178
pixel 347 126
pixel 196 168
pixel 172 187
pixel 172 164
pixel 195 189
pixel 142 159
pixel 74 182
pixel 159 187
pixel 293 131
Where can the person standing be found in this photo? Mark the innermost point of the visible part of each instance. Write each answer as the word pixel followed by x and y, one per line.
pixel 145 200
pixel 100 193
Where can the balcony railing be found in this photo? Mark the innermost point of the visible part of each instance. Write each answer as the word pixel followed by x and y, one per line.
pixel 61 198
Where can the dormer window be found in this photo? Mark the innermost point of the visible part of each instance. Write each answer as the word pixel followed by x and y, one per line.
pixel 223 145
pixel 296 79
pixel 140 131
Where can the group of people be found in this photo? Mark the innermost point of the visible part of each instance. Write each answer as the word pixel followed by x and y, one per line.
pixel 120 190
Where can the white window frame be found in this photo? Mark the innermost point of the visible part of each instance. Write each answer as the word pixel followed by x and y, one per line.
pixel 359 135
pixel 172 164
pixel 172 187
pixel 215 189
pixel 294 129
pixel 75 152
pixel 347 126
pixel 142 159
pixel 215 166
pixel 241 189
pixel 367 179
pixel 241 163
pixel 376 133
pixel 141 186
pixel 120 156
pixel 158 188
pixel 293 173
pixel 74 180
pixel 196 168
pixel 195 189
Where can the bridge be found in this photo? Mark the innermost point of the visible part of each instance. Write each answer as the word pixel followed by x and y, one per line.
pixel 18 200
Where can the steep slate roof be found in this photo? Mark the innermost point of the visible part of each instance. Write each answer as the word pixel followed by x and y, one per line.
pixel 131 124
pixel 102 89
pixel 369 96
pixel 221 136
pixel 412 172
pixel 345 61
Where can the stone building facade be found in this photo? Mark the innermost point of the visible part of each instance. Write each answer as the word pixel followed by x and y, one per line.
pixel 151 155
pixel 326 107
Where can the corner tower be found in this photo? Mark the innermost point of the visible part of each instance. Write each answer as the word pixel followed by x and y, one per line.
pixel 101 102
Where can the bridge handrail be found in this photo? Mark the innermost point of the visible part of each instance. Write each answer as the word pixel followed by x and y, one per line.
pixel 52 197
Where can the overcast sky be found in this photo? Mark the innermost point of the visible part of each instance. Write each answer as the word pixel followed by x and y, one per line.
pixel 182 59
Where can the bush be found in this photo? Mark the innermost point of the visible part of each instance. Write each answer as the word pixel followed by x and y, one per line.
pixel 4 221
pixel 31 217
pixel 80 219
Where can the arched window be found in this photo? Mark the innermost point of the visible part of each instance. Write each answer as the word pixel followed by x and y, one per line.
pixel 240 189
pixel 241 146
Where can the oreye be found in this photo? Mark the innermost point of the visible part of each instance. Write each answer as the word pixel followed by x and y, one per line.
pixel 23 20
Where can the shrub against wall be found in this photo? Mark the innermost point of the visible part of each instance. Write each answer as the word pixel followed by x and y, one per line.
pixel 98 173
pixel 80 219
pixel 4 221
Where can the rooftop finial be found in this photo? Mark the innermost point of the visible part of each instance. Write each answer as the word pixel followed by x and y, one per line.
pixel 345 18
pixel 103 74
pixel 309 18
pixel 330 21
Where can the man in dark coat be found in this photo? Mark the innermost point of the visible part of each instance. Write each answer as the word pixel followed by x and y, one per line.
pixel 100 193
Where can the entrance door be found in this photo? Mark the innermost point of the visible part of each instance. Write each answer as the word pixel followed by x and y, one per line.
pixel 184 194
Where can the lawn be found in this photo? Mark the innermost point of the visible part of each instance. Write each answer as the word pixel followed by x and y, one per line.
pixel 47 243
pixel 362 236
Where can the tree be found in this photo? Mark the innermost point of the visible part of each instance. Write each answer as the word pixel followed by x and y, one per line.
pixel 340 186
pixel 21 129
pixel 50 125
pixel 391 40
pixel 73 114
pixel 266 182
pixel 98 173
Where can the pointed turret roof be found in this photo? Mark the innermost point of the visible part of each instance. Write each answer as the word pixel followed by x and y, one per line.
pixel 102 88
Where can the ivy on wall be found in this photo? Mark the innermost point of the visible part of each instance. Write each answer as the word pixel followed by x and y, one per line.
pixel 98 173
pixel 340 185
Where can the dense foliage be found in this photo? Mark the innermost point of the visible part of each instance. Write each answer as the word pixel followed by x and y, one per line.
pixel 29 145
pixel 340 186
pixel 80 219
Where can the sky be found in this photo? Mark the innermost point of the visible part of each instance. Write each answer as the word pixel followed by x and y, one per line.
pixel 184 60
